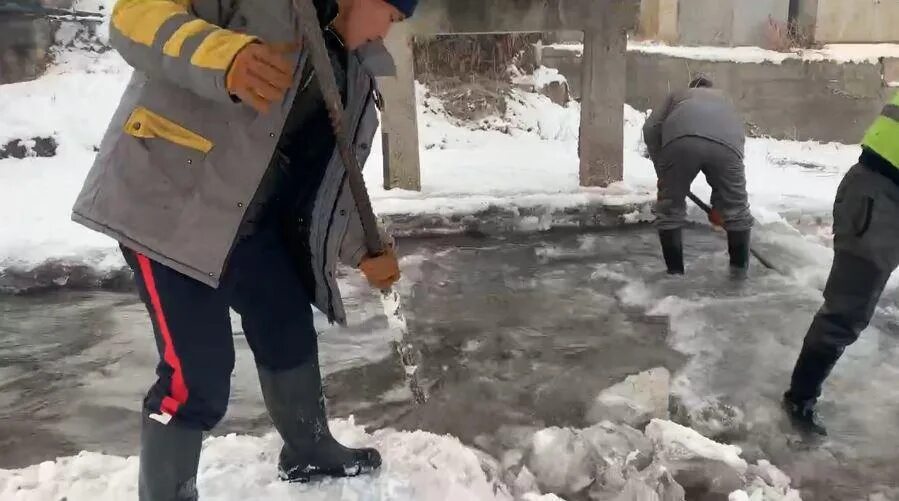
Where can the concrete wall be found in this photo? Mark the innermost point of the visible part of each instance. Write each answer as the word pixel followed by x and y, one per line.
pixel 795 100
pixel 823 101
pixel 705 22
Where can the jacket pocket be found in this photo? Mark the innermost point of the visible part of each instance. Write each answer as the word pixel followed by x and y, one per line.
pixel 865 213
pixel 145 124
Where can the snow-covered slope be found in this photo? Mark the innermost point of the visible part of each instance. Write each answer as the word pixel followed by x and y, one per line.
pixel 464 168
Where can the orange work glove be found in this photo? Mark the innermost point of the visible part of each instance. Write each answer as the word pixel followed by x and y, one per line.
pixel 381 271
pixel 261 74
pixel 716 219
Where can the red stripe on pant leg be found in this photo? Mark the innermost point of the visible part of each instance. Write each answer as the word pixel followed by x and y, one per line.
pixel 178 391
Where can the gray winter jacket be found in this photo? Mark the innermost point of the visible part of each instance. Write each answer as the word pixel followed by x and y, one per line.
pixel 181 160
pixel 702 112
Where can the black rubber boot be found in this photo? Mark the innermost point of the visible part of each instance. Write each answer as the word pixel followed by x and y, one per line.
pixel 812 368
pixel 738 247
pixel 803 416
pixel 169 456
pixel 673 250
pixel 296 405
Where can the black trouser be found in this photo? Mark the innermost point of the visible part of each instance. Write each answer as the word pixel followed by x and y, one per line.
pixel 866 251
pixel 193 327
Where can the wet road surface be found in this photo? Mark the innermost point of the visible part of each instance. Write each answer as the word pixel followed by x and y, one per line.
pixel 516 332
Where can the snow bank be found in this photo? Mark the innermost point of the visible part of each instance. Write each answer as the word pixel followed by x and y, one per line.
pixel 837 53
pixel 719 54
pixel 608 460
pixel 616 461
pixel 527 111
pixel 418 466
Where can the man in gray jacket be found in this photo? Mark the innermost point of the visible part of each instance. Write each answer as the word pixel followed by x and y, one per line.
pixel 699 130
pixel 218 177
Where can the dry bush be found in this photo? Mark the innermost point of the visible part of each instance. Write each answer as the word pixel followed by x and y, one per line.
pixel 784 37
pixel 470 73
pixel 471 57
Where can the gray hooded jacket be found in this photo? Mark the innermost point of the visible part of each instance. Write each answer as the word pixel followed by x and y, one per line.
pixel 701 112
pixel 181 161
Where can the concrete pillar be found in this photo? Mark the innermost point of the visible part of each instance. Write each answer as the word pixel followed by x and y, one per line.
pixel 601 146
pixel 399 121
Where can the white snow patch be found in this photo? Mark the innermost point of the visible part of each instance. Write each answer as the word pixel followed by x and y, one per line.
pixel 738 496
pixel 634 401
pixel 540 78
pixel 561 459
pixel 535 112
pixel 540 497
pixel 838 53
pixel 720 54
pixel 418 466
pixel 680 442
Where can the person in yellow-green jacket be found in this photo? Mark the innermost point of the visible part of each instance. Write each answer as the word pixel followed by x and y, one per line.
pixel 866 252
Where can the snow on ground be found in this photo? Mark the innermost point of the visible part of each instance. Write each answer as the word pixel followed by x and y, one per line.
pixel 421 466
pixel 417 466
pixel 72 103
pixel 838 53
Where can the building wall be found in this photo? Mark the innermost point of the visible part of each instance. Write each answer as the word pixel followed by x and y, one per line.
pixel 857 21
pixel 744 22
pixel 705 22
pixel 752 18
pixel 658 20
pixel 711 22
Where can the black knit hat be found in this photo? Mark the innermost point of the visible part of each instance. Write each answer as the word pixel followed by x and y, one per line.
pixel 407 7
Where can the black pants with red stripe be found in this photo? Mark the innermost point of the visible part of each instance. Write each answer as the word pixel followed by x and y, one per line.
pixel 193 326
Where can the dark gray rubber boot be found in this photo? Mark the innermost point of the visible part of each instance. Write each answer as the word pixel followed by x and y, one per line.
pixel 812 368
pixel 673 250
pixel 803 416
pixel 296 405
pixel 738 247
pixel 169 457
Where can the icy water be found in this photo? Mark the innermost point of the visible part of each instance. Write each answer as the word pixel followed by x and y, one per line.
pixel 517 333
